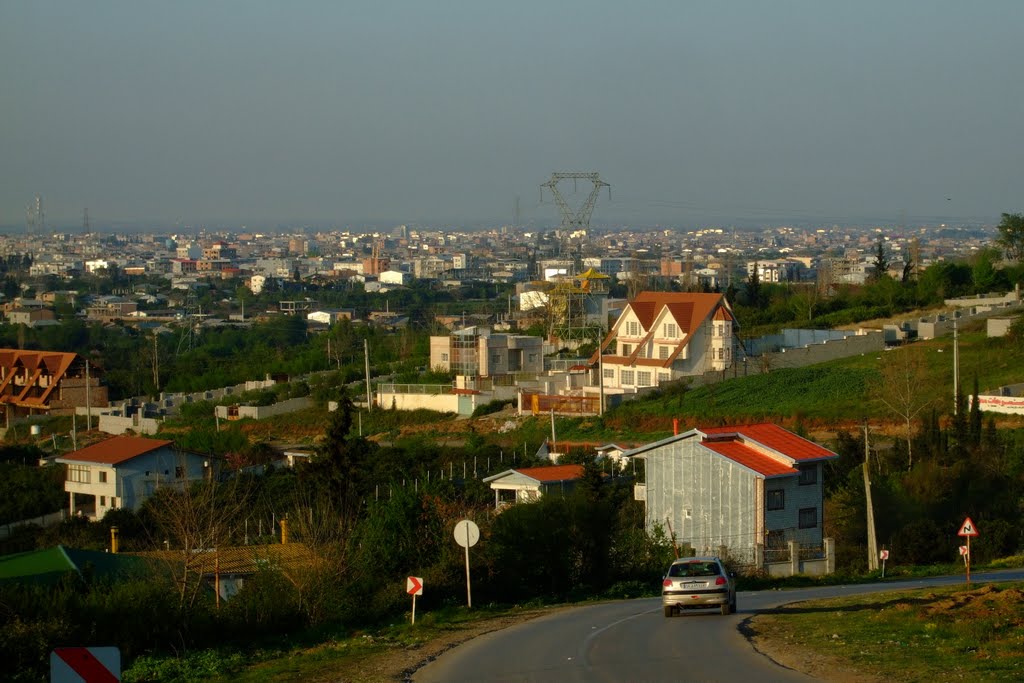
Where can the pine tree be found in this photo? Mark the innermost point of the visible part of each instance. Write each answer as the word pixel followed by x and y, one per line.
pixel 974 419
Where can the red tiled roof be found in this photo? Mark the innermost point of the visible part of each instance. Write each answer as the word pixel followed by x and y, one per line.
pixel 748 457
pixel 776 438
pixel 116 450
pixel 553 472
pixel 688 308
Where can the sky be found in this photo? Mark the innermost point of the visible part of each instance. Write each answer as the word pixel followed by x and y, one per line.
pixel 343 113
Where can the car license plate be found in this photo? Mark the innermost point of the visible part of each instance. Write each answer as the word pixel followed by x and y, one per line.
pixel 693 584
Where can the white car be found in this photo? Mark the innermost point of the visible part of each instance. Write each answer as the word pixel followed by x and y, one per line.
pixel 696 583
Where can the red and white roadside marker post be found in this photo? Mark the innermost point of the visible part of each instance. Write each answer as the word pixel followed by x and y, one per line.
pixel 414 587
pixel 89 664
pixel 967 530
pixel 883 555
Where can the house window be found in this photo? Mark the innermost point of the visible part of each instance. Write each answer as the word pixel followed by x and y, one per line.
pixel 495 358
pixel 609 373
pixel 78 474
pixel 633 328
pixel 103 501
pixel 627 378
pixel 444 357
pixel 808 474
pixel 179 472
pixel 808 518
pixel 721 330
pixel 777 500
pixel 103 477
pixel 643 379
pixel 626 349
pixel 664 376
pixel 671 331
pixel 663 352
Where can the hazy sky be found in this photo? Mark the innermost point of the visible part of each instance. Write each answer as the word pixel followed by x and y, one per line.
pixel 338 112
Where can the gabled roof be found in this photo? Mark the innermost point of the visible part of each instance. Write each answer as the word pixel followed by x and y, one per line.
pixel 544 475
pixel 775 438
pixel 751 459
pixel 114 451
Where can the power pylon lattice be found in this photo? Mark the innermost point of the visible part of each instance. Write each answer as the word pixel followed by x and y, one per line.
pixel 575 219
pixel 192 316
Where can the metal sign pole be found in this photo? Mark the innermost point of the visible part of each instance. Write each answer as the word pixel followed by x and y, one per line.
pixel 413 608
pixel 469 593
pixel 968 560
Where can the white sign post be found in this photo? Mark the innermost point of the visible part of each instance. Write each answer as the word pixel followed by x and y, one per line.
pixel 414 587
pixel 467 533
pixel 967 529
pixel 883 555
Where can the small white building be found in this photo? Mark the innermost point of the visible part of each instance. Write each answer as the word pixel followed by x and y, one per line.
pixel 530 483
pixel 394 277
pixel 124 471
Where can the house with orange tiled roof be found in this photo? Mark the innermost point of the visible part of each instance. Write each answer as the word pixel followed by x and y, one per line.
pixel 527 484
pixel 34 382
pixel 662 336
pixel 122 472
pixel 753 489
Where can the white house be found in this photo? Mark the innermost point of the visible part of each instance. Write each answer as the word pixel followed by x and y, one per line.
pixel 530 483
pixel 123 471
pixel 661 336
pixel 746 488
pixel 394 277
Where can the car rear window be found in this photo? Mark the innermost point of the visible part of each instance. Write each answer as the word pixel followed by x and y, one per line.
pixel 694 569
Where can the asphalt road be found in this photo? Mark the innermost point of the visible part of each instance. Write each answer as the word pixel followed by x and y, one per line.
pixel 632 641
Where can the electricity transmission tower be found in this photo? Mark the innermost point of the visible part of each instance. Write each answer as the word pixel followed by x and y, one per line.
pixel 190 322
pixel 573 220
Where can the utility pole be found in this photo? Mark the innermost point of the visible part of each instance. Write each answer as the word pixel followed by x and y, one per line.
pixel 872 541
pixel 88 398
pixel 366 356
pixel 956 367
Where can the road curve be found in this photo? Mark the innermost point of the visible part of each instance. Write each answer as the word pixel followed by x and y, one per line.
pixel 632 641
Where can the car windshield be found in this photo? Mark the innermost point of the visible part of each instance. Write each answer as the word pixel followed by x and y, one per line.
pixel 694 569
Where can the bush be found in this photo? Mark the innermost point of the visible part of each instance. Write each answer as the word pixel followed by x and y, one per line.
pixel 920 542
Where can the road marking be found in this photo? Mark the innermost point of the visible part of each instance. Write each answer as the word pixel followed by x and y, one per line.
pixel 585 646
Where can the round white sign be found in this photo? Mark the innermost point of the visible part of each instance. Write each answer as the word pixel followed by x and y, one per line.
pixel 467 533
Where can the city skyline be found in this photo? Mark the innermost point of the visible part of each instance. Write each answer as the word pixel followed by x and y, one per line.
pixel 252 114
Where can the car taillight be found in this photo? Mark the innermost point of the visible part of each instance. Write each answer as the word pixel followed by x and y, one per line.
pixel 720 581
pixel 666 583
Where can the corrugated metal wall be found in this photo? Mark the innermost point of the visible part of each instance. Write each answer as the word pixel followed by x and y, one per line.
pixel 709 500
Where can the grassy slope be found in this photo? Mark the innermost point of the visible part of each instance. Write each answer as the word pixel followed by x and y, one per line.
pixel 941 634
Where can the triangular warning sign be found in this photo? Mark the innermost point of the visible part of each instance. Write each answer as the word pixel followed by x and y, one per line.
pixel 967 528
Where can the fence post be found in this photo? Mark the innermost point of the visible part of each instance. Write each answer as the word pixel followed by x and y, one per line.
pixel 794 558
pixel 830 556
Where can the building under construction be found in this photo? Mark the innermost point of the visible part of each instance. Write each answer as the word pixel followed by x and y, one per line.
pixel 578 308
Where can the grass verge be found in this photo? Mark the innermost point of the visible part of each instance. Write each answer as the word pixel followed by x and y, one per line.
pixel 926 634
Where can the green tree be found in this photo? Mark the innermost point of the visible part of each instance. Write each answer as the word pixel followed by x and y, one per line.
pixel 1011 235
pixel 881 264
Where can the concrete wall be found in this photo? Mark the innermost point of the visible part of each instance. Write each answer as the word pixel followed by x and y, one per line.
pixel 998 327
pixel 115 424
pixel 290 405
pixel 444 403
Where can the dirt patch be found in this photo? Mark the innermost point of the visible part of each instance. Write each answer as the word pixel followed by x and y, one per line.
pixel 401 663
pixel 793 655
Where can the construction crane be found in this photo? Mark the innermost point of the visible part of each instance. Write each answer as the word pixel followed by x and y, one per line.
pixel 573 220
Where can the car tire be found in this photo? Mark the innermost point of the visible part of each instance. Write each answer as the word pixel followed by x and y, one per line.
pixel 669 612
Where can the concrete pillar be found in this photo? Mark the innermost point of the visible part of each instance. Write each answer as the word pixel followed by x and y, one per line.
pixel 830 556
pixel 794 558
pixel 71 505
pixel 723 552
pixel 284 530
pixel 114 545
